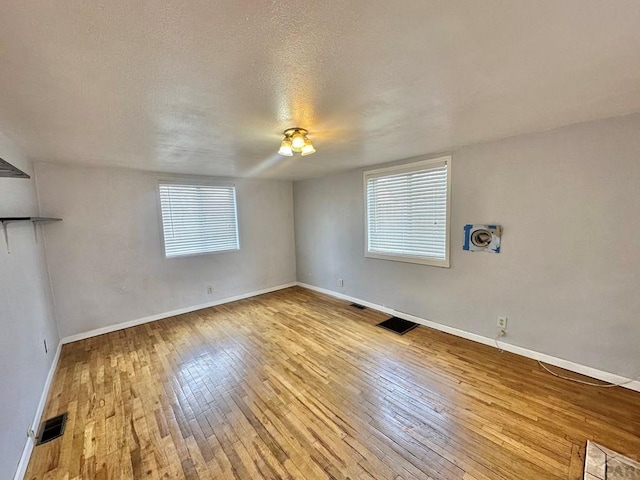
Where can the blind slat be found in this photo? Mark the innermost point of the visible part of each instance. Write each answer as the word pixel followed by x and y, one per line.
pixel 198 219
pixel 407 213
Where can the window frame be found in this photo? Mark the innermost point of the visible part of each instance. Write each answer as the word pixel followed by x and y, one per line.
pixel 407 168
pixel 199 183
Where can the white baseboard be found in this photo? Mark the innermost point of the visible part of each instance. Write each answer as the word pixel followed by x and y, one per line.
pixel 525 352
pixel 160 316
pixel 28 448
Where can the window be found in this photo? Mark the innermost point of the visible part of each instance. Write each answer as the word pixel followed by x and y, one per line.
pixel 407 212
pixel 198 219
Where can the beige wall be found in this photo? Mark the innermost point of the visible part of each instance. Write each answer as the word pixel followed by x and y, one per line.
pixel 569 271
pixel 107 259
pixel 26 314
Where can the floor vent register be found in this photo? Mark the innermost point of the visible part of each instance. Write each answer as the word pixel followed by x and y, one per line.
pixel 398 325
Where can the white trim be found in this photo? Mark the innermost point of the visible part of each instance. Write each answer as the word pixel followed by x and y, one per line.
pixel 558 362
pixel 525 352
pixel 173 313
pixel 28 448
pixel 432 262
pixel 202 183
pixel 195 180
pixel 405 168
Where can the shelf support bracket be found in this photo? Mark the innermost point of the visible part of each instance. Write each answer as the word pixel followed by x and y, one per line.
pixel 35 220
pixel 6 235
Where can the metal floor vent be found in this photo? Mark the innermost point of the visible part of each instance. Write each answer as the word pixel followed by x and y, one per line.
pixel 358 306
pixel 398 325
pixel 52 429
pixel 8 170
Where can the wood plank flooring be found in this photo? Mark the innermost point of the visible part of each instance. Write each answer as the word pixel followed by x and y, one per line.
pixel 297 385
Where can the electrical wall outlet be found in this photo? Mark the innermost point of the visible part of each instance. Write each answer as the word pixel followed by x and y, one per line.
pixel 502 323
pixel 31 434
pixel 210 290
pixel 340 282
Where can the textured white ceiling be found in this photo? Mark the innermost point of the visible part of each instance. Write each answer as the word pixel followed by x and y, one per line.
pixel 206 87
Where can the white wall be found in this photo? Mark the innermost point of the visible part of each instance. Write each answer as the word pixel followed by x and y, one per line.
pixel 568 275
pixel 107 260
pixel 26 315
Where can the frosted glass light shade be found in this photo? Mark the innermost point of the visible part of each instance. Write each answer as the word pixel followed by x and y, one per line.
pixel 285 148
pixel 308 148
pixel 297 142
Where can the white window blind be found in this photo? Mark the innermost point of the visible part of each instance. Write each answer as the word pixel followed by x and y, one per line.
pixel 407 213
pixel 198 219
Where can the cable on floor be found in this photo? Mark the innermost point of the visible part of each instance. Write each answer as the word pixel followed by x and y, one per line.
pixel 576 380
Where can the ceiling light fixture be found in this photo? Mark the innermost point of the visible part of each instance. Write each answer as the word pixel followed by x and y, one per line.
pixel 295 140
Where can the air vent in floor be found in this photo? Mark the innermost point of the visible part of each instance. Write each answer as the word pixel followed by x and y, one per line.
pixel 52 429
pixel 358 306
pixel 398 325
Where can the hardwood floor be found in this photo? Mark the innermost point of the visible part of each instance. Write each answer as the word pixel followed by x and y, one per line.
pixel 294 384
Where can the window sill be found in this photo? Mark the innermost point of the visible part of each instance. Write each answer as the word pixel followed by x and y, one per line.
pixel 199 254
pixel 409 259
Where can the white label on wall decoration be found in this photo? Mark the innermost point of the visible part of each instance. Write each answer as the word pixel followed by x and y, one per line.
pixel 482 238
